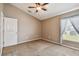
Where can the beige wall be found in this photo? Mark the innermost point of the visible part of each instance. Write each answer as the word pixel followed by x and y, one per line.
pixel 1 7
pixel 29 28
pixel 51 29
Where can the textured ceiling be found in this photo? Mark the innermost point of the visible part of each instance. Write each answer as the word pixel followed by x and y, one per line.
pixel 53 9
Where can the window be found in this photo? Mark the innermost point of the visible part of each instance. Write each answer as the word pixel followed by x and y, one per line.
pixel 70 30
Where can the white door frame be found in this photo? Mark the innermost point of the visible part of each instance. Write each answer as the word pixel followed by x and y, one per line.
pixel 2 35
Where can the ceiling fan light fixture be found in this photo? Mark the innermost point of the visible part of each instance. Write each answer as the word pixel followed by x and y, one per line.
pixel 38 8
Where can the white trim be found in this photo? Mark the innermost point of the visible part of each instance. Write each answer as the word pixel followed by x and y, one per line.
pixel 74 9
pixel 2 32
pixel 50 41
pixel 77 8
pixel 61 44
pixel 70 47
pixel 29 40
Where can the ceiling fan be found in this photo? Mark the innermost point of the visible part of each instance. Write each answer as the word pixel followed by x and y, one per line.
pixel 39 6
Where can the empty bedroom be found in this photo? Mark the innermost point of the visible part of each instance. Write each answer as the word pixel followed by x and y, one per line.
pixel 39 29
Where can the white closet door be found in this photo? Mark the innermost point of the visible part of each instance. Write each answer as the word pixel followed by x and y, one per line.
pixel 10 31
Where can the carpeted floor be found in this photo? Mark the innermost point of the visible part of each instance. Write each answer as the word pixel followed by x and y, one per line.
pixel 39 48
pixel 71 43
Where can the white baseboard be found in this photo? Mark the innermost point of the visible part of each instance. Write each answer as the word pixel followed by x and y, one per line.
pixel 29 40
pixel 51 41
pixel 61 44
pixel 26 41
pixel 70 47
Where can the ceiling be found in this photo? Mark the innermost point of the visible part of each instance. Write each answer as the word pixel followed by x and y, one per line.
pixel 53 9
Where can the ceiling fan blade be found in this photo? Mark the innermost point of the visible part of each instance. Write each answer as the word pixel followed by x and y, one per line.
pixel 31 7
pixel 38 3
pixel 36 10
pixel 44 9
pixel 44 4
